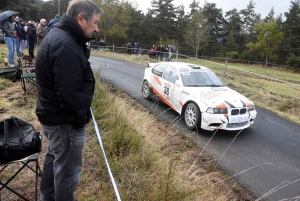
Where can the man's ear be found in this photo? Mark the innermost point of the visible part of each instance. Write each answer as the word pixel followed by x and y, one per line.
pixel 80 19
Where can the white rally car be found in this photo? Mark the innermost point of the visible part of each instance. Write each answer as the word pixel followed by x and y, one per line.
pixel 196 93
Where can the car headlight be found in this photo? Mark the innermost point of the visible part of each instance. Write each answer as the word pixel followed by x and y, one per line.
pixel 251 108
pixel 212 110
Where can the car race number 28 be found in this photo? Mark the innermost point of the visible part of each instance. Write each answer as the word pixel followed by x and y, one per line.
pixel 167 90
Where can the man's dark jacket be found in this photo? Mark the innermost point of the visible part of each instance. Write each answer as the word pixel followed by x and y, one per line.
pixel 64 76
pixel 31 31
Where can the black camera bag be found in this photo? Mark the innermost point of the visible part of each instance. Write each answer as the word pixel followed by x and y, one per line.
pixel 18 139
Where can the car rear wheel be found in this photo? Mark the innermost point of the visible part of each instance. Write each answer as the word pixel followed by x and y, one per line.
pixel 146 90
pixel 192 116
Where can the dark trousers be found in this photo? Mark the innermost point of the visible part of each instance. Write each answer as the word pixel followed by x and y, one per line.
pixel 129 52
pixel 63 162
pixel 31 48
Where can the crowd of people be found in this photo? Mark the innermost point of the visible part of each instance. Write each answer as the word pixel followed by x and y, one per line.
pixel 20 35
pixel 136 48
pixel 156 52
pixel 160 52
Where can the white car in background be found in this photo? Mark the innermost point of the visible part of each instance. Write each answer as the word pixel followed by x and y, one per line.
pixel 196 93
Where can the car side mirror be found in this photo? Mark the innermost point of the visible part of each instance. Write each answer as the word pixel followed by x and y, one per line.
pixel 177 83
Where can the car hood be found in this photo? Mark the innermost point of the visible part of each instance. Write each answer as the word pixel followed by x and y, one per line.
pixel 220 97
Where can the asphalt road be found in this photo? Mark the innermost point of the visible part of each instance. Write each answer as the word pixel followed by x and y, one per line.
pixel 265 157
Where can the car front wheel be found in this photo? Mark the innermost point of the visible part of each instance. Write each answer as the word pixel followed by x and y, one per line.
pixel 192 116
pixel 146 90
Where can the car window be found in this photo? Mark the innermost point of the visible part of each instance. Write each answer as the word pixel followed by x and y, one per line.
pixel 200 78
pixel 158 70
pixel 170 74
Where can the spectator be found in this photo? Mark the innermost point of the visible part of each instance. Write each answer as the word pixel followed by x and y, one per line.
pixel 25 29
pixel 170 54
pixel 129 47
pixel 52 23
pixel 136 48
pixel 9 31
pixel 23 39
pixel 150 53
pixel 31 31
pixel 40 30
pixel 167 52
pixel 19 35
pixel 65 85
pixel 154 51
pixel 161 52
pixel 102 44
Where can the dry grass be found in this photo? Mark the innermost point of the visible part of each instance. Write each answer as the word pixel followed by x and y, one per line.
pixel 151 160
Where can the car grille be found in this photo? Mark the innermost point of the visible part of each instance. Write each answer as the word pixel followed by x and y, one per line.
pixel 238 111
pixel 237 125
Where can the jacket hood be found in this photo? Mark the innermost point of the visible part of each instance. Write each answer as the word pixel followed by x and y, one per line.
pixel 71 26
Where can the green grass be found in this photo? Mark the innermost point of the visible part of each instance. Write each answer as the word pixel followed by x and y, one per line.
pixel 281 98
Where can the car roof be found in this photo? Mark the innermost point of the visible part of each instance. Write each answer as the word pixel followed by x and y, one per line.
pixel 179 65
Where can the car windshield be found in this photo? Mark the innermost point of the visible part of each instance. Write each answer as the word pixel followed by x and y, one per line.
pixel 200 78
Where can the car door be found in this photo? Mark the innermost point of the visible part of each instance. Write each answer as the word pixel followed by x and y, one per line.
pixel 171 92
pixel 156 79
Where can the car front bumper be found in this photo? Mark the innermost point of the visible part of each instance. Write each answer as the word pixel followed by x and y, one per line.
pixel 233 122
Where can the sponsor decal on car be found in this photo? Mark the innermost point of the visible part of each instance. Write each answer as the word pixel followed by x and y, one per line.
pixel 209 94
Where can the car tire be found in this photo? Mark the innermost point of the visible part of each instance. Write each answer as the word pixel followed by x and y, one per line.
pixel 146 90
pixel 192 116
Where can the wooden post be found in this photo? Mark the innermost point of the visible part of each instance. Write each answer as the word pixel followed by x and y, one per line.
pixel 225 68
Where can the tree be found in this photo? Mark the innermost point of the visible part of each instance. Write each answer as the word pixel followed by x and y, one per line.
pixel 181 27
pixel 268 40
pixel 164 17
pixel 270 16
pixel 215 20
pixel 198 32
pixel 234 39
pixel 136 26
pixel 291 28
pixel 114 23
pixel 194 6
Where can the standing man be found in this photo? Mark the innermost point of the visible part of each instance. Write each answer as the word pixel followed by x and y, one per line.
pixel 136 48
pixel 18 28
pixel 23 38
pixel 129 47
pixel 65 85
pixel 9 31
pixel 40 30
pixel 31 31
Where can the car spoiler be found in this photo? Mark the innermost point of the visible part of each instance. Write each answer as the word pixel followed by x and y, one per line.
pixel 151 64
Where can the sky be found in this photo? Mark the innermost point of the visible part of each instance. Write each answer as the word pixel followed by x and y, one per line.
pixel 262 7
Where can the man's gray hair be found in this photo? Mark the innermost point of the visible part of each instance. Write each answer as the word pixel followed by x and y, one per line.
pixel 86 7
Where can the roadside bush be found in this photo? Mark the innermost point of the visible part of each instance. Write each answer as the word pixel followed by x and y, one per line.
pixel 232 55
pixel 293 61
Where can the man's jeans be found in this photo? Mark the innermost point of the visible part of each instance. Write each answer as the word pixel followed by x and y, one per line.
pixel 10 43
pixel 22 46
pixel 63 162
pixel 17 46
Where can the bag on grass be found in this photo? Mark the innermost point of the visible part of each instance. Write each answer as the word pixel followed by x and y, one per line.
pixel 12 73
pixel 18 139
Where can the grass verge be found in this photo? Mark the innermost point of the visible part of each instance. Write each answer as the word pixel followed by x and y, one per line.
pixel 149 160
